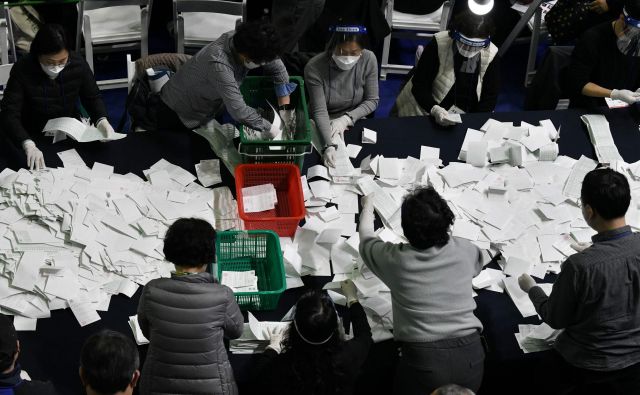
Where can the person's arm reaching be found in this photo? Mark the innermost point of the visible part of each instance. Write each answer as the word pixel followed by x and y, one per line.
pixel 224 82
pixel 318 103
pixel 372 249
pixel 283 87
pixel 371 95
pixel 233 320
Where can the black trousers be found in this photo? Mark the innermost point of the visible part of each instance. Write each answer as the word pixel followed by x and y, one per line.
pixel 423 367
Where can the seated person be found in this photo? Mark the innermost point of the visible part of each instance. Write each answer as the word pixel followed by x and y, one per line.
pixel 44 85
pixel 312 357
pixel 343 86
pixel 14 380
pixel 186 317
pixel 210 81
pixel 109 364
pixel 457 71
pixel 606 62
pixel 595 297
pixel 430 284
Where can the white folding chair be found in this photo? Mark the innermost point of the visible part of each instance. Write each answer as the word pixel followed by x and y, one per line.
pixel 4 42
pixel 5 71
pixel 131 72
pixel 412 27
pixel 113 25
pixel 195 26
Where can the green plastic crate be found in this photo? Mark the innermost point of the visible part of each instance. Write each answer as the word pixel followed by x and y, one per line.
pixel 257 250
pixel 255 90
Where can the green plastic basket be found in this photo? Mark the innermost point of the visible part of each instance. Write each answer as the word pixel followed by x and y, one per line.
pixel 257 250
pixel 255 91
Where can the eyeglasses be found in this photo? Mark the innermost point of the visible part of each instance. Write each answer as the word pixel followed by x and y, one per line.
pixel 64 62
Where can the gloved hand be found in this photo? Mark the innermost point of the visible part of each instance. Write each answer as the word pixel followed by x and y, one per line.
pixel 104 127
pixel 35 158
pixel 526 282
pixel 329 156
pixel 350 291
pixel 625 95
pixel 271 132
pixel 440 115
pixel 580 246
pixel 339 125
pixel 275 338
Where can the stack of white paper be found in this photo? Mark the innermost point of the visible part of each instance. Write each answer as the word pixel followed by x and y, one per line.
pixel 59 128
pixel 245 281
pixel 535 338
pixel 601 138
pixel 259 198
pixel 255 336
pixel 137 332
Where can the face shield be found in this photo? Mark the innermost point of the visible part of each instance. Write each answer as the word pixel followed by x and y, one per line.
pixel 469 46
pixel 345 43
pixel 629 41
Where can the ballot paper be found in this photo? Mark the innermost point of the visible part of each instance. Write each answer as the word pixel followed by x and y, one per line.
pixel 241 281
pixel 519 297
pixel 259 198
pixel 453 117
pixel 536 338
pixel 208 172
pixel 277 127
pixel 601 138
pixel 255 336
pixel 573 184
pixel 369 136
pixel 353 150
pixel 137 332
pixel 78 130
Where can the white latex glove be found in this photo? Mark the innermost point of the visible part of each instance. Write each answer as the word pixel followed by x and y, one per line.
pixel 275 338
pixel 625 95
pixel 105 128
pixel 271 133
pixel 580 246
pixel 526 282
pixel 330 156
pixel 339 125
pixel 350 291
pixel 440 115
pixel 35 158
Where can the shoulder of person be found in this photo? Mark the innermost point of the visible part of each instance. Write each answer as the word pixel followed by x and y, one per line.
pixel 320 60
pixel 37 387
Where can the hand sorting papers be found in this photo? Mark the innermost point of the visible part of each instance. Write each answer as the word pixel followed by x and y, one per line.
pixel 535 338
pixel 255 336
pixel 83 133
pixel 246 281
pixel 259 198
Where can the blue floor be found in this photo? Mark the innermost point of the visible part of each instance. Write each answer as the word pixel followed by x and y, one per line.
pixel 511 98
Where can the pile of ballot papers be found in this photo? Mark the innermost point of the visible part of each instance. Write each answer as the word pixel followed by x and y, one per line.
pixel 245 281
pixel 534 338
pixel 259 198
pixel 74 236
pixel 255 336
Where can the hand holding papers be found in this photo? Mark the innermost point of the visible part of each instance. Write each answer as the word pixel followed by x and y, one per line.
pixel 77 130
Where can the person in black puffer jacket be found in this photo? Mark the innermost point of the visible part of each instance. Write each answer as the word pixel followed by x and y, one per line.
pixel 46 84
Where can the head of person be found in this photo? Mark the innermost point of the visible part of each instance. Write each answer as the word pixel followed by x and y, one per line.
pixel 109 364
pixel 190 244
pixel 471 32
pixel 311 340
pixel 346 44
pixel 426 218
pixel 257 43
pixel 51 48
pixel 628 28
pixel 605 197
pixel 452 389
pixel 9 345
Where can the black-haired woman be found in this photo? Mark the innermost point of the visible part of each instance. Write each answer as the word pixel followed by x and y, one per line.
pixel 210 81
pixel 311 357
pixel 457 72
pixel 343 86
pixel 186 317
pixel 46 84
pixel 431 295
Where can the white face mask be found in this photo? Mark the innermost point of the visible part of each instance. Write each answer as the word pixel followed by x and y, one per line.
pixel 345 62
pixel 466 50
pixel 52 71
pixel 250 65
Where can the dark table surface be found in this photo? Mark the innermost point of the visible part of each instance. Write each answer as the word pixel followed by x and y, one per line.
pixel 53 350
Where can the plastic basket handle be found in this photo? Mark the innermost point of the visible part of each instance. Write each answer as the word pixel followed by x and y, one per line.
pixel 310 150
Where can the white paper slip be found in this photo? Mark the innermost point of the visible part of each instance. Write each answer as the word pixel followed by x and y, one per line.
pixel 548 152
pixel 84 312
pixel 208 172
pixel 24 323
pixel 353 150
pixel 318 171
pixel 611 103
pixel 453 117
pixel 70 158
pixel 477 153
pixel 390 168
pixel 137 332
pixel 244 281
pixel 259 198
pixel 369 136
pixel 78 131
pixel 516 266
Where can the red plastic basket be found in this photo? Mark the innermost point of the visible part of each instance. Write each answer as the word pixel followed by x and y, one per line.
pixel 289 211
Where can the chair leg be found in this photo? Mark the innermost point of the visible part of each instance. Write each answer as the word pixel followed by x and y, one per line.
pixel 4 42
pixel 533 48
pixel 180 35
pixel 88 44
pixel 79 25
pixel 385 57
pixel 144 33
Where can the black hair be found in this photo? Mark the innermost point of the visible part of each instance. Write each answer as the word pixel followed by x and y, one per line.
pixel 472 25
pixel 108 360
pixel 190 242
pixel 259 41
pixel 452 389
pixel 426 218
pixel 50 39
pixel 607 192
pixel 633 8
pixel 313 366
pixel 8 342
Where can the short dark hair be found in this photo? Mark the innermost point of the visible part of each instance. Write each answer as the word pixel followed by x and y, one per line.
pixel 258 40
pixel 607 192
pixel 452 389
pixel 108 360
pixel 426 218
pixel 190 242
pixel 8 342
pixel 50 39
pixel 472 25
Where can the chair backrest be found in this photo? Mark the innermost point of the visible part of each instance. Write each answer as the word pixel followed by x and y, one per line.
pixel 5 71
pixel 228 7
pixel 131 72
pixel 95 4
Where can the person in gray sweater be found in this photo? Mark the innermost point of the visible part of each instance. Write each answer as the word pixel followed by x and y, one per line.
pixel 431 294
pixel 343 87
pixel 186 317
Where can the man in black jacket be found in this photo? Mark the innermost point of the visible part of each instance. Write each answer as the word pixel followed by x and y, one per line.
pixel 11 375
pixel 46 84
